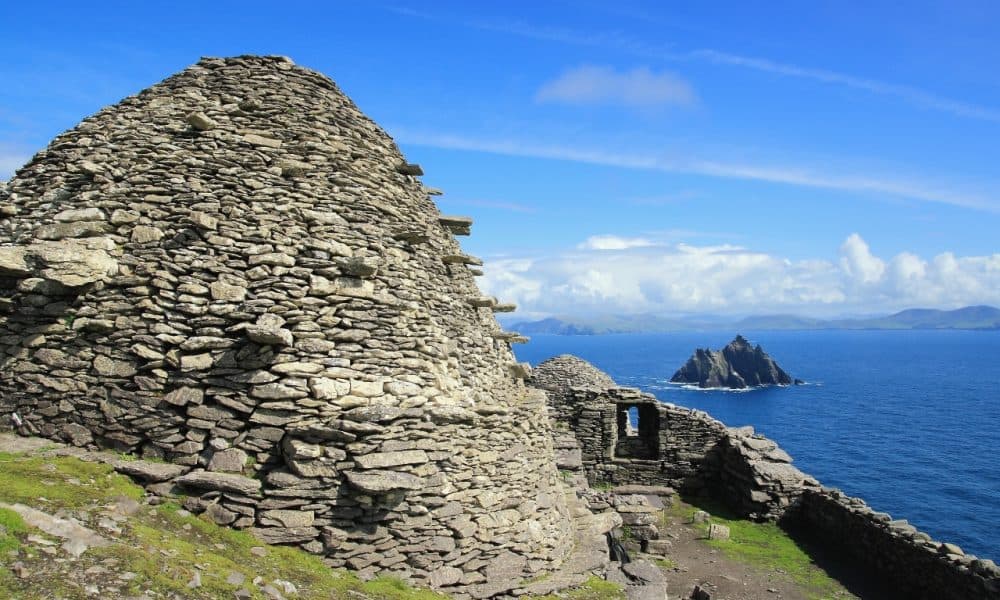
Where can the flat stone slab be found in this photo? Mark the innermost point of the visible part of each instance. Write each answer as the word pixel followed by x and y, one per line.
pixel 381 482
pixel 150 471
pixel 223 482
pixel 77 537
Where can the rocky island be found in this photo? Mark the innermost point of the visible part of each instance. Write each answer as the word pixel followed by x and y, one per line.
pixel 737 366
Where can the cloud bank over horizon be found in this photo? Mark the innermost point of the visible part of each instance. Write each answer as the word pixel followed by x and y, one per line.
pixel 611 274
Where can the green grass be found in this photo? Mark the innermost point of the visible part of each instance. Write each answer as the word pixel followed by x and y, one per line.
pixel 50 483
pixel 163 546
pixel 594 588
pixel 11 526
pixel 762 544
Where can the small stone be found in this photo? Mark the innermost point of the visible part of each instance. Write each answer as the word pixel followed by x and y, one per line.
pixel 200 121
pixel 80 214
pixel 203 221
pixel 231 461
pixel 109 367
pixel 196 362
pixel 718 532
pixel 142 234
pixel 227 292
pixel 445 576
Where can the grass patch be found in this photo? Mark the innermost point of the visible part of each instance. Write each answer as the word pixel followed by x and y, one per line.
pixel 163 547
pixel 60 482
pixel 762 544
pixel 665 563
pixel 594 588
pixel 11 526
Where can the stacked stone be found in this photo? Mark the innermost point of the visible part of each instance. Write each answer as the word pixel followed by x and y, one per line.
pixel 908 561
pixel 238 272
pixel 756 477
pixel 566 371
pixel 695 453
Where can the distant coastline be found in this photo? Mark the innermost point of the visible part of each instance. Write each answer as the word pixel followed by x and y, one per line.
pixel 985 318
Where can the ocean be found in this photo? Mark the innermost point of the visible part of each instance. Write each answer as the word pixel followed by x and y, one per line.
pixel 907 420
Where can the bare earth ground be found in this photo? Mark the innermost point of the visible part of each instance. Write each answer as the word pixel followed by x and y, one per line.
pixel 692 561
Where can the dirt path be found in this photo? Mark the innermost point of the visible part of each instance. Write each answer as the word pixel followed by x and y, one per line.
pixel 692 562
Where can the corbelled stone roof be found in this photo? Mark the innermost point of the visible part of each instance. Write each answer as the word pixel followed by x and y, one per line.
pixel 237 271
pixel 560 373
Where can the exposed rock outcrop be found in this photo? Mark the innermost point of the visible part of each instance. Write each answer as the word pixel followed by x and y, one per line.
pixel 237 272
pixel 737 366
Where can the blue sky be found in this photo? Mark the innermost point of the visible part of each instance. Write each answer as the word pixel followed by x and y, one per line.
pixel 821 158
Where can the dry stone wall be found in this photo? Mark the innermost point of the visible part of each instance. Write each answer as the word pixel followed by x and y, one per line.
pixel 236 271
pixel 755 478
pixel 908 561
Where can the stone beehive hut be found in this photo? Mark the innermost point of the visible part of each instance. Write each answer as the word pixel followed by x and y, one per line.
pixel 236 271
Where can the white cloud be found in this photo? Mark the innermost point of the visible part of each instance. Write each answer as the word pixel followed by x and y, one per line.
pixel 734 279
pixel 622 43
pixel 614 242
pixel 785 174
pixel 858 262
pixel 637 88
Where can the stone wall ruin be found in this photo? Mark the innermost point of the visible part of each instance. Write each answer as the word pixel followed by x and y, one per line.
pixel 237 272
pixel 753 477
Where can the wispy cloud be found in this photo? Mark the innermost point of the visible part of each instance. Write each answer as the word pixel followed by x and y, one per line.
pixel 728 278
pixel 911 95
pixel 623 43
pixel 636 88
pixel 783 174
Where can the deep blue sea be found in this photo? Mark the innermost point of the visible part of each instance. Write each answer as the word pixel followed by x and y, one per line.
pixel 907 420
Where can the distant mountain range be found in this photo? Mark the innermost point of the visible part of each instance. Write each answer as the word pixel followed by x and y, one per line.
pixel 970 317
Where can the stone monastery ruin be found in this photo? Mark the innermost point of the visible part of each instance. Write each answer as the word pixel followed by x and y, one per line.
pixel 236 271
pixel 237 276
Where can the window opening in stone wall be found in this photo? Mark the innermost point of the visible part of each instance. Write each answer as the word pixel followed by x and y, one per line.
pixel 638 431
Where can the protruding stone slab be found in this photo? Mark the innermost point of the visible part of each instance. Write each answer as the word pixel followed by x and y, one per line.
pixel 409 169
pixel 461 259
pixel 505 307
pixel 223 482
pixel 483 301
pixel 150 471
pixel 72 263
pixel 456 224
pixel 382 482
pixel 510 336
pixel 200 121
